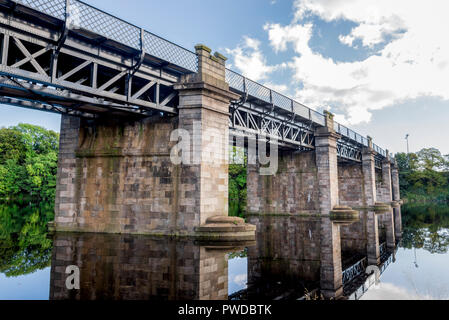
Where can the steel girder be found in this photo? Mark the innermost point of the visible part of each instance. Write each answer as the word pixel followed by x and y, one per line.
pixel 254 121
pixel 348 151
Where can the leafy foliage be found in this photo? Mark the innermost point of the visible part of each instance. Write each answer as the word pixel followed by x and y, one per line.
pixel 424 176
pixel 426 227
pixel 237 183
pixel 28 162
pixel 24 245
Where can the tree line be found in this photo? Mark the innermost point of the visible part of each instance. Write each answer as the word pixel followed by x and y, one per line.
pixel 424 176
pixel 28 162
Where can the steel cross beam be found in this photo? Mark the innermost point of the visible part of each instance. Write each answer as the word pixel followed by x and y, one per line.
pixel 348 151
pixel 251 120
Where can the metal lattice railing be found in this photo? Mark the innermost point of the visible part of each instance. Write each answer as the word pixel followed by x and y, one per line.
pixel 241 84
pixel 383 249
pixel 348 133
pixel 85 17
pixel 96 21
pixel 54 8
pixel 354 271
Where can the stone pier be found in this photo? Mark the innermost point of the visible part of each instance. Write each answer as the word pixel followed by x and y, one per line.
pixel 331 281
pixel 386 193
pixel 369 175
pixel 158 175
pixel 327 165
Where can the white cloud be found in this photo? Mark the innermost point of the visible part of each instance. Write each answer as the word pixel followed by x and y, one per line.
pixel 249 59
pixel 414 61
pixel 370 34
pixel 389 291
pixel 240 279
pixel 281 88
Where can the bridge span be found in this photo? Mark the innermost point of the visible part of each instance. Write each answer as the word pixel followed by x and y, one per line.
pixel 122 92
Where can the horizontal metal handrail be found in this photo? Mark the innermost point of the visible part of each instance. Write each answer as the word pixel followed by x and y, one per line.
pixel 91 19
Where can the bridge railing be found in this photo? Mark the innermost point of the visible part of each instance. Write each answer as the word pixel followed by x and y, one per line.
pixel 350 134
pixel 244 85
pixel 86 17
pixel 354 271
pixel 270 97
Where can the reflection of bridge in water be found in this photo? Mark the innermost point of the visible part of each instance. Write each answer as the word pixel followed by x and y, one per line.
pixel 292 258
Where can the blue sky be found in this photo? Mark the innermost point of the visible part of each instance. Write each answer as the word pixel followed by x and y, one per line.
pixel 380 67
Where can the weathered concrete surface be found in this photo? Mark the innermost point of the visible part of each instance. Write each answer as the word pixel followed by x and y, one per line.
pixel 327 165
pixel 122 267
pixel 121 179
pixel 369 176
pixel 292 190
pixel 351 185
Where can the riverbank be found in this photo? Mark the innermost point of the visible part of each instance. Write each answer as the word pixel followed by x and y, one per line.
pixel 438 198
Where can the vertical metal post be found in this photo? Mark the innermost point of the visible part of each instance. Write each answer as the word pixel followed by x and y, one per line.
pixel 157 95
pixel 94 74
pixel 5 49
pixel 64 33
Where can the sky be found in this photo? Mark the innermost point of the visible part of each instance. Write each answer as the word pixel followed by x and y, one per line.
pixel 381 66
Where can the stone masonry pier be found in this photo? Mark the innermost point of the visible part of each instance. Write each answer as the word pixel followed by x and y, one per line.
pixel 122 175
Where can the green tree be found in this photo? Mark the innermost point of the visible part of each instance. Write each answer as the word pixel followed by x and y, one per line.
pixel 24 245
pixel 237 182
pixel 12 146
pixel 28 162
pixel 424 176
pixel 430 159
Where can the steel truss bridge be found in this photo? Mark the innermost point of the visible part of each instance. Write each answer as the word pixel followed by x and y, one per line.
pixel 68 57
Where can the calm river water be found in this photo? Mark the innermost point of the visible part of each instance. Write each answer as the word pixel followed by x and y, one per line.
pixel 284 262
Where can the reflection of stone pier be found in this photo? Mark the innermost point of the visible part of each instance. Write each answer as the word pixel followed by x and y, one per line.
pixel 138 268
pixel 293 254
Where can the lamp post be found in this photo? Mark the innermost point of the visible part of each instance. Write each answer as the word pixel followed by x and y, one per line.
pixel 406 138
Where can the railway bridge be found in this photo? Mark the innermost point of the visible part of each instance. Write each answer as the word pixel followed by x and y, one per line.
pixel 146 129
